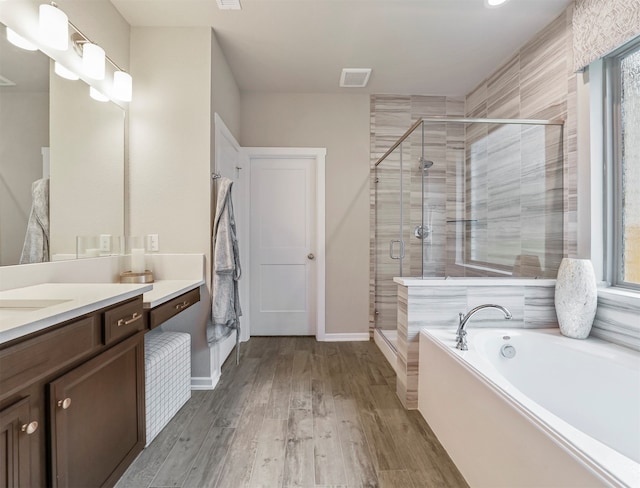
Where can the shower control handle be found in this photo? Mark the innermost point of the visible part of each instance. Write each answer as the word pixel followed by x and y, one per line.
pixel 422 232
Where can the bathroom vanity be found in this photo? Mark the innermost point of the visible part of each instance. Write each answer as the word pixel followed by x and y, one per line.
pixel 168 298
pixel 71 383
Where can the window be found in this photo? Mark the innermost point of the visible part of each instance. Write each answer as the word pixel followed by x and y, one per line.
pixel 623 187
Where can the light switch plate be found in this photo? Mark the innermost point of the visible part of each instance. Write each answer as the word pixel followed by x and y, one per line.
pixel 154 245
pixel 105 243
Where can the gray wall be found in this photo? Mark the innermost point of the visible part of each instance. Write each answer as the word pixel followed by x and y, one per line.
pixel 339 123
pixel 171 129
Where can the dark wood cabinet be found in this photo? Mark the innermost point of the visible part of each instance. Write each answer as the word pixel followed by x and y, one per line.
pixel 163 312
pixel 16 427
pixel 96 363
pixel 97 417
pixel 123 321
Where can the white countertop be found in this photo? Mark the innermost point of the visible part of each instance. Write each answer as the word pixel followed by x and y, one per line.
pixel 165 290
pixel 73 300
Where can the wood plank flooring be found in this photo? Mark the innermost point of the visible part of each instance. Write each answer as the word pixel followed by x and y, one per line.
pixel 297 413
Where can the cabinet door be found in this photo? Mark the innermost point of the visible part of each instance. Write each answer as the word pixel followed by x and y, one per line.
pixel 97 417
pixel 15 429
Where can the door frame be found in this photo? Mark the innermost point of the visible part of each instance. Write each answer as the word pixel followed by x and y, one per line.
pixel 319 155
pixel 222 134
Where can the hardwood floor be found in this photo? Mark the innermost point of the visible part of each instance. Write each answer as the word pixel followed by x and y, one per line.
pixel 297 413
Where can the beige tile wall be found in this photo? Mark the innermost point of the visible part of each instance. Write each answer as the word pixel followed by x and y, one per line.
pixel 391 116
pixel 536 82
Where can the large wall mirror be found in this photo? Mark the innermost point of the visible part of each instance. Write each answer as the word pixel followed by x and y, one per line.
pixel 51 128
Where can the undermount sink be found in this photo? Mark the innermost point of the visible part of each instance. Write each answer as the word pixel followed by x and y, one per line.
pixel 28 304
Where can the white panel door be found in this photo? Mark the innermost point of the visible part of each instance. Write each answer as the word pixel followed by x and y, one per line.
pixel 282 223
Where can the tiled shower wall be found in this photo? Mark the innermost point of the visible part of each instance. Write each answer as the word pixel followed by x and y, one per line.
pixel 391 116
pixel 536 82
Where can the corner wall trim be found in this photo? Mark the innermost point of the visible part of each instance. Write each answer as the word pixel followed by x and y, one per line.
pixel 348 336
pixel 204 382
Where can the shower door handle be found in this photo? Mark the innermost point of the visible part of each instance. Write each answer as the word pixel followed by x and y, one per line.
pixel 401 247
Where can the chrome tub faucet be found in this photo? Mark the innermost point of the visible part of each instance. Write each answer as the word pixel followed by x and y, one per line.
pixel 461 334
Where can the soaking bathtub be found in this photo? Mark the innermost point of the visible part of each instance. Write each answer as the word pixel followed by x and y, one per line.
pixel 559 413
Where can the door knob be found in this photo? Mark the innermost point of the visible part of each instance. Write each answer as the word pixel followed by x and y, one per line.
pixel 310 256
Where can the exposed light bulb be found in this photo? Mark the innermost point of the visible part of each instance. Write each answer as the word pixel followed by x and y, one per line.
pixel 93 59
pixel 53 27
pixel 64 72
pixel 97 95
pixel 19 41
pixel 122 86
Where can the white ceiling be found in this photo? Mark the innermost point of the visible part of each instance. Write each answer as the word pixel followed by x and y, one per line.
pixel 443 47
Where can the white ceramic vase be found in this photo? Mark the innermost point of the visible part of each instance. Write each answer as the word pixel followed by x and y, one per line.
pixel 576 297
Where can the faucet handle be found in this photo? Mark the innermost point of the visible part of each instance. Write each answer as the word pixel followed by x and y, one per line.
pixel 462 341
pixel 460 318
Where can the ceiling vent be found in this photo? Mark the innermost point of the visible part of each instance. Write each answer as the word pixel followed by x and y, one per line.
pixel 355 77
pixel 229 4
pixel 6 82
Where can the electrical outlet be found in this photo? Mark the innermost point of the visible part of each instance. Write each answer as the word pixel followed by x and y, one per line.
pixel 105 243
pixel 154 246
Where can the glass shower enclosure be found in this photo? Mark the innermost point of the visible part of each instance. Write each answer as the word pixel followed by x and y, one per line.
pixel 457 197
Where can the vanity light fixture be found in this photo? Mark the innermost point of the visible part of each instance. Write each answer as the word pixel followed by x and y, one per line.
pixel 93 54
pixel 19 41
pixel 93 58
pixel 54 31
pixel 122 85
pixel 64 72
pixel 53 26
pixel 97 95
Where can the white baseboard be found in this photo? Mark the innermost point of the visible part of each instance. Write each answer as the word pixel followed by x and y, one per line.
pixel 204 382
pixel 348 336
pixel 219 354
pixel 387 351
pixel 226 346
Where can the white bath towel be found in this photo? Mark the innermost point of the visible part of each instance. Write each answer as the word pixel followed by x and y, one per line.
pixel 36 240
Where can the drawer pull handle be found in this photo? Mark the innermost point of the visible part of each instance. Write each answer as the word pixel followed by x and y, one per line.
pixel 136 316
pixel 182 306
pixel 66 403
pixel 30 428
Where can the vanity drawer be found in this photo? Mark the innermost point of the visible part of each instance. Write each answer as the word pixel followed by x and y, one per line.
pixel 123 320
pixel 33 359
pixel 164 312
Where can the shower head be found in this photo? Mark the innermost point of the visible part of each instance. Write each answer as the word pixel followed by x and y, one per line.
pixel 425 164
